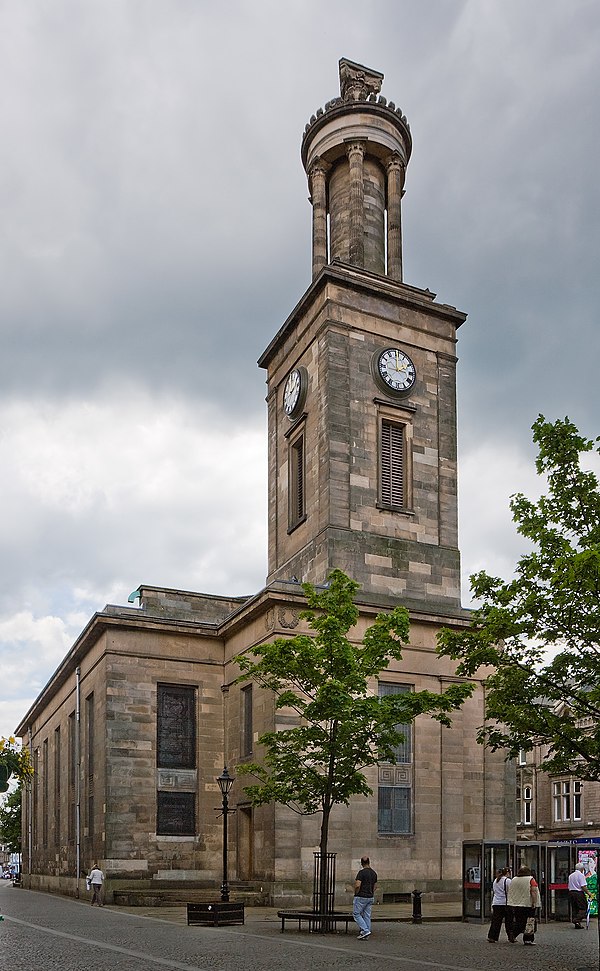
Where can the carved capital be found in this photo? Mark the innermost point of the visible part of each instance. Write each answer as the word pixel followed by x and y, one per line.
pixel 319 168
pixel 395 163
pixel 357 82
pixel 355 150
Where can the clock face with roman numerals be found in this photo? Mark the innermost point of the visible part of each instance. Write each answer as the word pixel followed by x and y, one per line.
pixel 294 392
pixel 396 370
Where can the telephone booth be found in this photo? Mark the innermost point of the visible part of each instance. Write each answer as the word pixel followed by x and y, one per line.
pixel 481 861
pixel 562 859
pixel 534 855
pixel 559 867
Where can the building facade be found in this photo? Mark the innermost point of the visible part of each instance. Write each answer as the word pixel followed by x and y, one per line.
pixel 555 807
pixel 134 727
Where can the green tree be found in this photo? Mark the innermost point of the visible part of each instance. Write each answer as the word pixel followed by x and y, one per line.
pixel 14 760
pixel 339 726
pixel 10 821
pixel 540 632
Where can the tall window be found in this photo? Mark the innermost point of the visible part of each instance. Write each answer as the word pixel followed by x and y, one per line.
pixel 72 775
pixel 566 797
pixel 394 792
pixel 57 769
pixel 89 719
pixel 45 792
pixel 394 810
pixel 403 751
pixel 176 749
pixel 392 463
pixel 246 719
pixel 176 727
pixel 36 801
pixel 296 473
pixel 527 805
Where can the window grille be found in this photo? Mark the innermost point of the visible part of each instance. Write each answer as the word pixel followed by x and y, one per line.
pixel 403 751
pixel 176 814
pixel 394 811
pixel 176 727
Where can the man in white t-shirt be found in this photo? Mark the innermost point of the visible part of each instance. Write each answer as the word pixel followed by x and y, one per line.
pixel 578 896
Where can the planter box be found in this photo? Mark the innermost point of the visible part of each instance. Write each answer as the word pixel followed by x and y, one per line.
pixel 215 914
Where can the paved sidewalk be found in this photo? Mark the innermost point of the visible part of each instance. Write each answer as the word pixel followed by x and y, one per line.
pixel 443 942
pixel 45 932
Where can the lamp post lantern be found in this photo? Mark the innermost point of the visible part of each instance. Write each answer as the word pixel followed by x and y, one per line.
pixel 225 783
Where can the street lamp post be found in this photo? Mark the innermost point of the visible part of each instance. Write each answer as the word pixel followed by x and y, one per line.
pixel 225 783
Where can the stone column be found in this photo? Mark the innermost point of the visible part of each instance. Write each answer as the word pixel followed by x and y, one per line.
pixel 395 184
pixel 318 197
pixel 356 152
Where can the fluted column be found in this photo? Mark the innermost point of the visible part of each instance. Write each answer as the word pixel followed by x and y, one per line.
pixel 395 184
pixel 356 151
pixel 318 197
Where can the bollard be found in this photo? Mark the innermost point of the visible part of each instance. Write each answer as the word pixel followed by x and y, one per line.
pixel 416 914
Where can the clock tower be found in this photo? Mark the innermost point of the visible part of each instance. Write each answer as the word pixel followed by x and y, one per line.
pixel 361 377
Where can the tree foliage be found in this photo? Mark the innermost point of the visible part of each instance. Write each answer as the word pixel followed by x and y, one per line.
pixel 15 761
pixel 335 725
pixel 10 821
pixel 540 631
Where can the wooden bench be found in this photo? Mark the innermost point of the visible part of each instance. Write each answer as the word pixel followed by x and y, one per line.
pixel 215 914
pixel 315 921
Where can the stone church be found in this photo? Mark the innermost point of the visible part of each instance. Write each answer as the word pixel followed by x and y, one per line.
pixel 131 732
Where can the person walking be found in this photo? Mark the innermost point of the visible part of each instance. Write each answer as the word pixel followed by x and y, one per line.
pixel 95 878
pixel 523 901
pixel 578 896
pixel 364 895
pixel 500 909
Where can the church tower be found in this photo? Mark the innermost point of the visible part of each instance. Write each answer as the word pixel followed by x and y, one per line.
pixel 361 377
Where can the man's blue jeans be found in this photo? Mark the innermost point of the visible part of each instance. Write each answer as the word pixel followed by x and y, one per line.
pixel 362 913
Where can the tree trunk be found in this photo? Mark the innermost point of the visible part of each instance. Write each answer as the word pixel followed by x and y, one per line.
pixel 323 896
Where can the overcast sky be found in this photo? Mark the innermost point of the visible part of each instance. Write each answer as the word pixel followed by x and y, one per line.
pixel 155 234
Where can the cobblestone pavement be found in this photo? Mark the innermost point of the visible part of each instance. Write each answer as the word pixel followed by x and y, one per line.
pixel 43 932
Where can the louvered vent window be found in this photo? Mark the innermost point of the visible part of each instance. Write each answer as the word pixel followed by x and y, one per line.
pixel 392 462
pixel 297 508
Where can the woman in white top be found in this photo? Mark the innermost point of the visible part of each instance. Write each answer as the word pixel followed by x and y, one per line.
pixel 500 910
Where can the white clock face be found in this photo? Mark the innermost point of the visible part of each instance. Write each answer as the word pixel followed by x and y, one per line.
pixel 396 369
pixel 291 392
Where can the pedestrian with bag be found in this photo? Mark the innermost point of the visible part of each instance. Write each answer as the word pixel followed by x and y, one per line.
pixel 523 901
pixel 500 908
pixel 95 879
